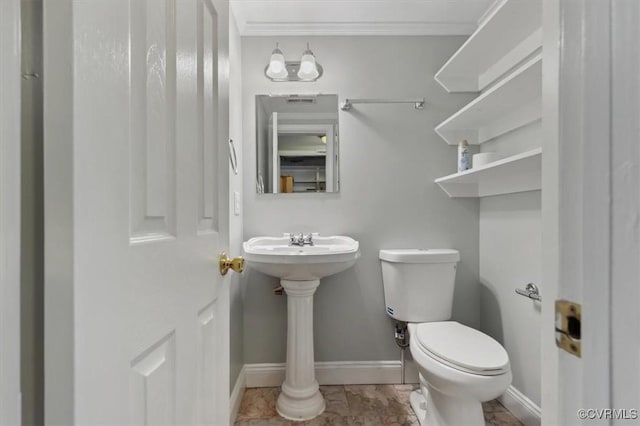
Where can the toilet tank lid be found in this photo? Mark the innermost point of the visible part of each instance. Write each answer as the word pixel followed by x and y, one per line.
pixel 420 255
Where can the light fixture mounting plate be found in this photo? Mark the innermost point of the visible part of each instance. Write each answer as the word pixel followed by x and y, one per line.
pixel 292 72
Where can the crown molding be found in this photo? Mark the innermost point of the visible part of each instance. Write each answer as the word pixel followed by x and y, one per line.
pixel 355 28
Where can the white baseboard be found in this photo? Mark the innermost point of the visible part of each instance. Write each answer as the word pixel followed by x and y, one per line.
pixel 236 395
pixel 521 407
pixel 335 373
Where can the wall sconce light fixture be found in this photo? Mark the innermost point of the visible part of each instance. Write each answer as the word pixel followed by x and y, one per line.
pixel 306 70
pixel 276 68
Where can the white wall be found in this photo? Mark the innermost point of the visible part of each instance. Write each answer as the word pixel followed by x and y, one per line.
pixel 511 257
pixel 390 156
pixel 236 355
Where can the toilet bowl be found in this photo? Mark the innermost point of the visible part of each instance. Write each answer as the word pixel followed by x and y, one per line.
pixel 459 367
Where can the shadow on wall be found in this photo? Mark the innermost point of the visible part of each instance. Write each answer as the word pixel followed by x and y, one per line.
pixel 491 324
pixel 263 307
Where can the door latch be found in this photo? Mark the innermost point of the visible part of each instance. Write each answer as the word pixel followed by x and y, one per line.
pixel 568 326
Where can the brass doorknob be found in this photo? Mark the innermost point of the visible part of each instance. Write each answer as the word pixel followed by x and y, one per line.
pixel 237 264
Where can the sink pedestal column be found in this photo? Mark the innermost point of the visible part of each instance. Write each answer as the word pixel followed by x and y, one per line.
pixel 300 398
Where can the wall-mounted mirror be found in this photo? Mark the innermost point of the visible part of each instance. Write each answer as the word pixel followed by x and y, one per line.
pixel 297 143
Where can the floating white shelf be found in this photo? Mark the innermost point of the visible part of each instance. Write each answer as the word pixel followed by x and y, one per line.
pixel 507 36
pixel 510 104
pixel 302 153
pixel 518 173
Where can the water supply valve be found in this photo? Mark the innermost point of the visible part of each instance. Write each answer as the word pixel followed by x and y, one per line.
pixel 401 334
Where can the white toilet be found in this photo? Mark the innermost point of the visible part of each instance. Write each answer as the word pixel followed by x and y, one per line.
pixel 460 367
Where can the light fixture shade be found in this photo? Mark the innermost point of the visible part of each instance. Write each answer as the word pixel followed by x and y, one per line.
pixel 308 68
pixel 277 68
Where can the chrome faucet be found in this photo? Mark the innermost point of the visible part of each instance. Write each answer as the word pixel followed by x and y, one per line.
pixel 300 239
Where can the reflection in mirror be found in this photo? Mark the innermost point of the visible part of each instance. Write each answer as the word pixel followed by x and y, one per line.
pixel 297 143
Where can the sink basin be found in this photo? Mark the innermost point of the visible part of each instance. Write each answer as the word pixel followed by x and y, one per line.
pixel 300 269
pixel 327 256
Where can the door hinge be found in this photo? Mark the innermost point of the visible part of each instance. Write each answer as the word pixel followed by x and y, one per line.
pixel 568 326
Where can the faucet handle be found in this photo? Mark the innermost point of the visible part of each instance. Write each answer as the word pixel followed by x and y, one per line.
pixel 308 239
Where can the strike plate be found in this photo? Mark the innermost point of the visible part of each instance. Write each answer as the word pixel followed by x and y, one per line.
pixel 568 327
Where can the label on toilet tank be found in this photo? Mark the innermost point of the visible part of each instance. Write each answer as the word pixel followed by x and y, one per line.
pixel 390 311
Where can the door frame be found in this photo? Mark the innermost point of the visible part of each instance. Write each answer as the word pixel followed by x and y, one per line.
pixel 58 147
pixel 550 208
pixel 10 154
pixel 590 180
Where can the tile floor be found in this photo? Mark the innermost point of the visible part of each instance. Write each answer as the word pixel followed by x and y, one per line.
pixel 353 405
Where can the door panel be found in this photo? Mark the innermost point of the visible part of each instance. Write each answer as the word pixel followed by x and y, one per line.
pixel 146 307
pixel 153 132
pixel 153 384
pixel 206 350
pixel 207 114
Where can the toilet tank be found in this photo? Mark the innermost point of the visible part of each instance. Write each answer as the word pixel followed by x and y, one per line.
pixel 419 283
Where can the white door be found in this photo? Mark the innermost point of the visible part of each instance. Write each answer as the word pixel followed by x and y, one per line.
pixel 136 200
pixel 10 212
pixel 590 208
pixel 275 156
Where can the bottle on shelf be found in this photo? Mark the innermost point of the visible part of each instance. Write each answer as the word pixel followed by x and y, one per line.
pixel 464 159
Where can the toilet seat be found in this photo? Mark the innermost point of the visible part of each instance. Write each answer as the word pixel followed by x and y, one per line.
pixel 462 348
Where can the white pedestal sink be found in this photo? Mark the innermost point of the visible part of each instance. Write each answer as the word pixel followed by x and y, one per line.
pixel 300 269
